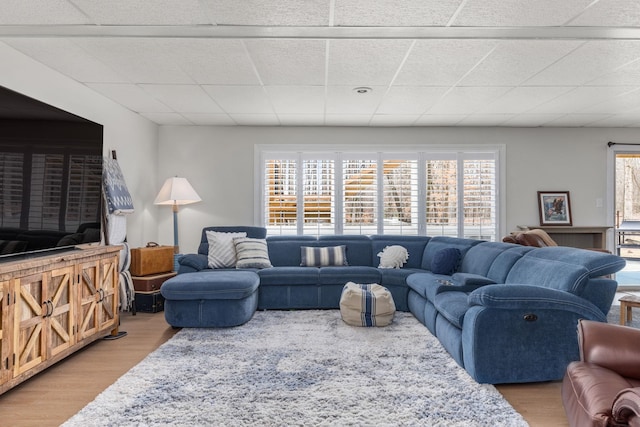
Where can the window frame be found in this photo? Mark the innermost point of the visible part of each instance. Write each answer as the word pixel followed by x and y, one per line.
pixel 425 152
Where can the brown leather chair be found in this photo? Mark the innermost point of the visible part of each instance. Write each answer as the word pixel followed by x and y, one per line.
pixel 603 388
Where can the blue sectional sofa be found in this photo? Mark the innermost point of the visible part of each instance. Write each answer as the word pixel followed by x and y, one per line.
pixel 506 313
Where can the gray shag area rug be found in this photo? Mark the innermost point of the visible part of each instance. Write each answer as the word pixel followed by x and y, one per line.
pixel 300 368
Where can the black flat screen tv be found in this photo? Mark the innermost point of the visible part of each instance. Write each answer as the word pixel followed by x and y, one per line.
pixel 50 178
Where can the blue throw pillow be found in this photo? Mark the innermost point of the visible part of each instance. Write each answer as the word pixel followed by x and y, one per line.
pixel 196 261
pixel 445 261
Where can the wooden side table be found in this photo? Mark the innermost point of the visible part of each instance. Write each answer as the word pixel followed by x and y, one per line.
pixel 627 302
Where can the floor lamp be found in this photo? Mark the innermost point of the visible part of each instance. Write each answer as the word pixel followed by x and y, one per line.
pixel 175 192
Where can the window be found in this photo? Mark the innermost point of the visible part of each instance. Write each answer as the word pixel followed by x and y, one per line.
pixel 452 193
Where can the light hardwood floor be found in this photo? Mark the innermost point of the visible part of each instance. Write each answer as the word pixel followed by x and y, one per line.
pixel 53 396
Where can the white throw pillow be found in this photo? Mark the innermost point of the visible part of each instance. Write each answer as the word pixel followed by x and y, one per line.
pixel 222 251
pixel 393 256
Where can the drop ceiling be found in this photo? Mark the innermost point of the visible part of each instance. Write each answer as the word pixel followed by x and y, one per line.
pixel 569 63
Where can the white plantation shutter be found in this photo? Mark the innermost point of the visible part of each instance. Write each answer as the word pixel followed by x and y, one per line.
pixel 280 195
pixel 479 198
pixel 318 196
pixel 360 196
pixel 400 196
pixel 441 197
pixel 450 193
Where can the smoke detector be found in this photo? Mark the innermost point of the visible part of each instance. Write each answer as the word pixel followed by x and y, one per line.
pixel 362 90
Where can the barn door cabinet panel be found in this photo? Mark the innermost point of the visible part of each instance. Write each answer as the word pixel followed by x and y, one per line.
pixel 98 295
pixel 6 319
pixel 44 318
pixel 52 306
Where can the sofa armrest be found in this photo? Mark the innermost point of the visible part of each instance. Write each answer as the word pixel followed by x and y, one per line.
pixel 471 279
pixel 611 346
pixel 531 297
pixel 626 407
pixel 193 262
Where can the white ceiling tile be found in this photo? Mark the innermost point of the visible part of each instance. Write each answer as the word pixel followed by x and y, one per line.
pixel 467 100
pixel 268 12
pixel 211 61
pixel 365 62
pixel 301 119
pixel 575 120
pixel 394 13
pixel 241 99
pixel 183 98
pixel 43 12
pixel 394 119
pixel 591 60
pixel 439 119
pixel 628 75
pixel 610 13
pixel 130 96
pixel 66 57
pixel 167 118
pixel 410 99
pixel 514 61
pixel 297 81
pixel 344 100
pixel 618 120
pixel 531 120
pixel 521 99
pixel 347 119
pixel 617 105
pixel 289 62
pixel 140 60
pixel 256 119
pixel 297 99
pixel 579 98
pixel 441 62
pixel 518 13
pixel 485 119
pixel 209 119
pixel 144 12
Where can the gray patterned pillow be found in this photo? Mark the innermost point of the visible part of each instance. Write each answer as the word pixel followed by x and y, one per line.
pixel 251 253
pixel 222 251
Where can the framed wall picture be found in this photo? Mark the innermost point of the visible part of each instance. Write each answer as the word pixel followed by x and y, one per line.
pixel 554 207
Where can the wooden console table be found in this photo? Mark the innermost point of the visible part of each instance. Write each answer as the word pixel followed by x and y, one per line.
pixel 578 237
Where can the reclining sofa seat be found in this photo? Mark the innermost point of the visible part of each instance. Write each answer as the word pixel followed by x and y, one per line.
pixel 522 328
pixel 288 285
pixel 507 314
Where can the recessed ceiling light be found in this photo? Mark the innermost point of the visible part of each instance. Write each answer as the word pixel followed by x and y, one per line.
pixel 362 89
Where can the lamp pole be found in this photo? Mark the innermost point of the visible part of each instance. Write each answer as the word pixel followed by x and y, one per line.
pixel 176 247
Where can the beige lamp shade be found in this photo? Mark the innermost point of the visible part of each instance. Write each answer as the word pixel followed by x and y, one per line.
pixel 177 191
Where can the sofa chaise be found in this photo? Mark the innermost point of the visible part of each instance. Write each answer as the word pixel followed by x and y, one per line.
pixel 506 313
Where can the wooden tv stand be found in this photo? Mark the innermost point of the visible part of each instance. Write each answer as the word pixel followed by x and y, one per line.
pixel 52 306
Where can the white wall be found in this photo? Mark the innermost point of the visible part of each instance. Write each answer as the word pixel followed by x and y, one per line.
pixel 133 137
pixel 219 163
